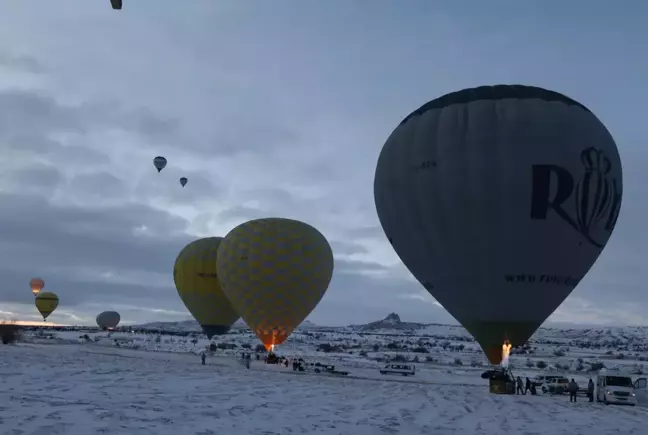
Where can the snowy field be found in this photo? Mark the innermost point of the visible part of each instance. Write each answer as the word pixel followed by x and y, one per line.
pixel 84 389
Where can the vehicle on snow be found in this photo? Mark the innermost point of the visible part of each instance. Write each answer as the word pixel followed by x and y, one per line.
pixel 641 391
pixel 556 385
pixel 617 387
pixel 398 369
pixel 540 380
pixel 327 368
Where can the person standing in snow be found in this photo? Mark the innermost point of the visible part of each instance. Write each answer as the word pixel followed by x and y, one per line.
pixel 533 389
pixel 519 386
pixel 590 390
pixel 203 357
pixel 527 387
pixel 573 389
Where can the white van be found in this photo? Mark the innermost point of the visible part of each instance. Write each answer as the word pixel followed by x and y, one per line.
pixel 398 369
pixel 614 386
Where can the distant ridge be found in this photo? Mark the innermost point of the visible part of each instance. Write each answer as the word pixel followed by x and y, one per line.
pixel 391 323
pixel 193 326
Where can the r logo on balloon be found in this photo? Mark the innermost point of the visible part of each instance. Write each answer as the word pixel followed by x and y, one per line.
pixel 596 195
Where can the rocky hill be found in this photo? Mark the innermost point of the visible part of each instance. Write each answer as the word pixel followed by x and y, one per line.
pixel 391 322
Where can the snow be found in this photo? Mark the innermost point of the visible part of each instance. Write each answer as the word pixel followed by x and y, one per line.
pixel 88 388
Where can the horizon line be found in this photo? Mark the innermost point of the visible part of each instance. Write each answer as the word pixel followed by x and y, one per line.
pixel 559 325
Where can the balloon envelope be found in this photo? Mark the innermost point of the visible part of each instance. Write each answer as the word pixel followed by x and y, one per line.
pixel 108 319
pixel 183 181
pixel 195 277
pixel 159 162
pixel 46 303
pixel 36 285
pixel 274 271
pixel 499 199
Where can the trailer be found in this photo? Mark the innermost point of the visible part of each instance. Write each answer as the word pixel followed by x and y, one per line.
pixel 330 369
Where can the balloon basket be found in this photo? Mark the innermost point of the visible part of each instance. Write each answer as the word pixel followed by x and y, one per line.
pixel 497 386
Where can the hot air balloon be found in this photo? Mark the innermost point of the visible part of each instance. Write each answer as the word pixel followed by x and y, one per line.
pixel 46 303
pixel 498 200
pixel 116 4
pixel 108 320
pixel 274 271
pixel 183 181
pixel 159 162
pixel 36 285
pixel 197 282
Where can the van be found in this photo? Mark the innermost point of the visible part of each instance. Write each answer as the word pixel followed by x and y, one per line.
pixel 615 387
pixel 398 369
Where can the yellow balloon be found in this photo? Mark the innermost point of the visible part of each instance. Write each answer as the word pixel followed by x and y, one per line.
pixel 197 282
pixel 46 303
pixel 274 271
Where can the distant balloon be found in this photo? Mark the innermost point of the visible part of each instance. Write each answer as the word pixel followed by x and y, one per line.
pixel 46 303
pixel 116 4
pixel 36 285
pixel 108 320
pixel 499 199
pixel 195 277
pixel 159 162
pixel 183 181
pixel 274 271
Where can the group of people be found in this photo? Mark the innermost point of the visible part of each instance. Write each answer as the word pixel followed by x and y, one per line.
pixel 522 388
pixel 572 388
pixel 528 386
pixel 246 357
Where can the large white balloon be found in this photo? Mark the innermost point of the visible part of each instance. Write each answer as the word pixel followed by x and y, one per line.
pixel 499 199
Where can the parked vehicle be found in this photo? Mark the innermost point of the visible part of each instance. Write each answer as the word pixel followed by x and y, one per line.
pixel 540 380
pixel 329 369
pixel 398 369
pixel 556 385
pixel 617 387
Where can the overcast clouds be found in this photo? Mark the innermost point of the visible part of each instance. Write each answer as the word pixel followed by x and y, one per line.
pixel 274 108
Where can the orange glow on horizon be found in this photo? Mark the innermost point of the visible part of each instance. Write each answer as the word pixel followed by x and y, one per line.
pixel 29 323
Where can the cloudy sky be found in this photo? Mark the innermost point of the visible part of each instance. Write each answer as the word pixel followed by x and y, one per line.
pixel 274 108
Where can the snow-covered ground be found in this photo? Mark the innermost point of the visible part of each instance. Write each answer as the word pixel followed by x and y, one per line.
pixel 56 386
